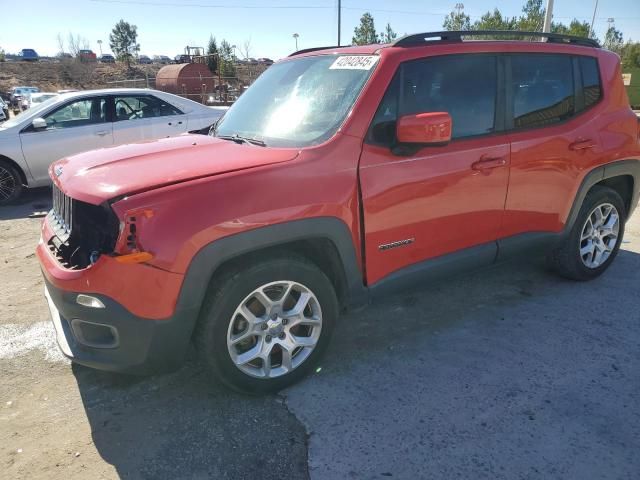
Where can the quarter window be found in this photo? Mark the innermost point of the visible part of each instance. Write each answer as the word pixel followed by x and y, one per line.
pixel 87 111
pixel 591 89
pixel 542 89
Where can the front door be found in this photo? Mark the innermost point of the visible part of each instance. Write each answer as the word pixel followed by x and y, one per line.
pixel 439 199
pixel 77 126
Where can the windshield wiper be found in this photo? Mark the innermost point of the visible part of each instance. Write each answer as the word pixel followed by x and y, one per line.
pixel 239 139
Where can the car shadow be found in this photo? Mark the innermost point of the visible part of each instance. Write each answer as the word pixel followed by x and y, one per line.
pixel 33 203
pixel 183 425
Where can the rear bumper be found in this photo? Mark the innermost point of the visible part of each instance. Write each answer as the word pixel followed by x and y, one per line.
pixel 119 341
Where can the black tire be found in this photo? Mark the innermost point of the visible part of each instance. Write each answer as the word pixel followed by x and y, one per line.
pixel 230 289
pixel 565 259
pixel 10 183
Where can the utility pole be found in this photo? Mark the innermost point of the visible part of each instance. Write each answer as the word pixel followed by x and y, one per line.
pixel 339 19
pixel 593 19
pixel 100 45
pixel 295 35
pixel 548 15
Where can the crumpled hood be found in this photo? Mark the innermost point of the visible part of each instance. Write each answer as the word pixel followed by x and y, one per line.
pixel 107 173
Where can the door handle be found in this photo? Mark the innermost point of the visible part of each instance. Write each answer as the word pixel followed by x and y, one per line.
pixel 102 133
pixel 582 144
pixel 486 162
pixel 178 123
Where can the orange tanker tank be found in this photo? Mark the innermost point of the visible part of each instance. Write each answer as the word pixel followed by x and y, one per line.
pixel 191 80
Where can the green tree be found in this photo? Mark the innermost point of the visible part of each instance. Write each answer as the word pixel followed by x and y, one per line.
pixel 212 52
pixel 388 36
pixel 365 33
pixel 613 40
pixel 532 18
pixel 123 41
pixel 495 21
pixel 631 55
pixel 227 67
pixel 576 28
pixel 457 20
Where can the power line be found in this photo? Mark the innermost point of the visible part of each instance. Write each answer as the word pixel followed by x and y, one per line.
pixel 306 7
pixel 205 5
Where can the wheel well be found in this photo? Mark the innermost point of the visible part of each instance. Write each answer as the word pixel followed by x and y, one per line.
pixel 623 184
pixel 7 160
pixel 320 251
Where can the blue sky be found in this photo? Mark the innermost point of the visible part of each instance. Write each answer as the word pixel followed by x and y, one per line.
pixel 166 26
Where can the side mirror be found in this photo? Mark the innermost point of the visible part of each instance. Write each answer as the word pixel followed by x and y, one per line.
pixel 433 128
pixel 39 123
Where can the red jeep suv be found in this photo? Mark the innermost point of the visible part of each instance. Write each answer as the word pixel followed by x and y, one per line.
pixel 341 174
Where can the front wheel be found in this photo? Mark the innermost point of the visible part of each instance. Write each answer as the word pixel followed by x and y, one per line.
pixel 10 183
pixel 595 237
pixel 264 326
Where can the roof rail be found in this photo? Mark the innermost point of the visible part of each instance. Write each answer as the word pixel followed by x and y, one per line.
pixel 307 50
pixel 456 36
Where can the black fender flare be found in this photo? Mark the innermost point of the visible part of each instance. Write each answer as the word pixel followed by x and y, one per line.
pixel 609 170
pixel 210 257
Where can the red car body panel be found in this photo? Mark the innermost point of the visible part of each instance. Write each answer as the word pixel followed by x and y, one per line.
pixel 111 172
pixel 145 291
pixel 203 189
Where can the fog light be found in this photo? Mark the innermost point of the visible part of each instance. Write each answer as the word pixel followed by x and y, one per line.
pixel 89 301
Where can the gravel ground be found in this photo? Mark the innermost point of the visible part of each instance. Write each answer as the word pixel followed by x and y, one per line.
pixel 505 373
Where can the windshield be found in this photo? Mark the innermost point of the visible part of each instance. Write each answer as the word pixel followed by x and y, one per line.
pixel 299 102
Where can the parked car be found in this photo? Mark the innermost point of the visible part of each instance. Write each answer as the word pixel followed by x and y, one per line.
pixel 107 58
pixel 162 59
pixel 182 58
pixel 79 121
pixel 4 110
pixel 265 61
pixel 17 94
pixel 28 55
pixel 35 99
pixel 251 241
pixel 86 55
pixel 144 60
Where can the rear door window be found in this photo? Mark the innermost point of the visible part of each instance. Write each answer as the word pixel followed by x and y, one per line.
pixel 542 89
pixel 142 106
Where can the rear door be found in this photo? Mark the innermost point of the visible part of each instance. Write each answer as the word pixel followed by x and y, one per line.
pixel 145 117
pixel 76 126
pixel 438 199
pixel 553 127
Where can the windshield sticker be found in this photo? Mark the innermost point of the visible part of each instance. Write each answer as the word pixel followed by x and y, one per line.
pixel 354 62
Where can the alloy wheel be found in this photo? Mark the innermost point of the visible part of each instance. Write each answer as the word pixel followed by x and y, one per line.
pixel 599 235
pixel 274 329
pixel 7 184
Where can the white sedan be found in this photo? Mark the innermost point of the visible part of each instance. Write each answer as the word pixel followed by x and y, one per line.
pixel 76 122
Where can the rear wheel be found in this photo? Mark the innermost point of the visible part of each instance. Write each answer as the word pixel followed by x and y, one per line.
pixel 264 326
pixel 10 183
pixel 595 238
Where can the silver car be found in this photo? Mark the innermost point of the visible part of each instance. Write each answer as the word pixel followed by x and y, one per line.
pixel 75 122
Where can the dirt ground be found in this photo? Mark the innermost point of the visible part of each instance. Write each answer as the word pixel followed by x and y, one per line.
pixel 507 373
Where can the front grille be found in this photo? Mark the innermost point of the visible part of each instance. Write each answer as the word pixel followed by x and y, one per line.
pixel 82 231
pixel 61 215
